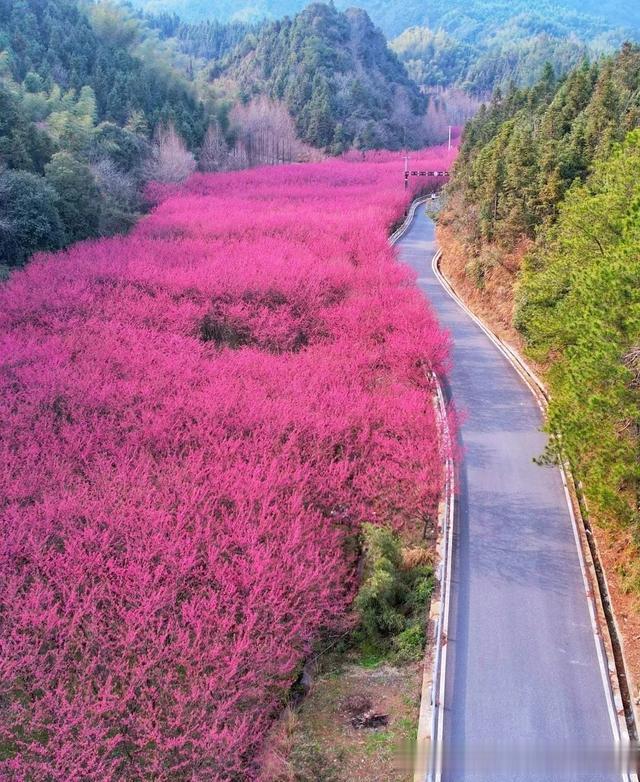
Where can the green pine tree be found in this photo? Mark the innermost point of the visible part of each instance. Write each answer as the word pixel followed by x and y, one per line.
pixel 78 196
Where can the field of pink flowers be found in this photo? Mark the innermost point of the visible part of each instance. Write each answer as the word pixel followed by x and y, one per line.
pixel 194 422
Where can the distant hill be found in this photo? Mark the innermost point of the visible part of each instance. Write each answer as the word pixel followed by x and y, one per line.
pixel 477 44
pixel 223 10
pixel 466 19
pixel 486 44
pixel 471 20
pixel 337 76
pixel 516 54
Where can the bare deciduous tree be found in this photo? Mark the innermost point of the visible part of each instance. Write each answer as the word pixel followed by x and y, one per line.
pixel 119 195
pixel 170 161
pixel 266 134
pixel 214 153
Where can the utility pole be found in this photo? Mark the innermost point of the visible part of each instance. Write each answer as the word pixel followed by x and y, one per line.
pixel 449 136
pixel 406 160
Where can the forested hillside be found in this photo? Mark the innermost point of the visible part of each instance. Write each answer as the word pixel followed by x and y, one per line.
pixel 96 100
pixel 333 71
pixel 542 228
pixel 48 43
pixel 396 15
pixel 477 45
pixel 495 42
pixel 79 108
pixel 336 75
pixel 521 153
pixel 208 39
pixel 480 63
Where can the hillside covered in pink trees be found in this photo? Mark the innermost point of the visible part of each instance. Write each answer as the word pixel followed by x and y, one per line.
pixel 195 420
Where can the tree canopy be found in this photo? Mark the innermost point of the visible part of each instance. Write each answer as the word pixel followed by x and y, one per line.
pixel 337 76
pixel 556 170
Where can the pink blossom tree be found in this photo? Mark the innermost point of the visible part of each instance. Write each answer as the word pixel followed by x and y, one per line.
pixel 195 420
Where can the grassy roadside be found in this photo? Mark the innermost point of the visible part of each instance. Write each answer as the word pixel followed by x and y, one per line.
pixel 358 719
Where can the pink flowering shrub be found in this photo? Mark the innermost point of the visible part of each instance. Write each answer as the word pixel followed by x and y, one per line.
pixel 195 420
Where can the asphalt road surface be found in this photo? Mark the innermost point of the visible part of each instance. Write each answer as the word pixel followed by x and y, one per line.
pixel 526 697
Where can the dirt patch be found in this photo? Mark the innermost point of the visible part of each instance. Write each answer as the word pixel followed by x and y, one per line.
pixel 357 724
pixel 271 320
pixel 488 294
pixel 362 713
pixel 618 555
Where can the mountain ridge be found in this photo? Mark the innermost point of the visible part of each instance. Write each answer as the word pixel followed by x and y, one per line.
pixel 394 17
pixel 336 75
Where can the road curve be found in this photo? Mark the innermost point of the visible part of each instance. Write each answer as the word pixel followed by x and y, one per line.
pixel 526 696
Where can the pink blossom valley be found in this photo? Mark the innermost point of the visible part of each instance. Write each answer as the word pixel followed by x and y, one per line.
pixel 194 422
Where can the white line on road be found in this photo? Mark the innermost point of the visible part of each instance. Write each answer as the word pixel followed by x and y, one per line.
pixel 535 385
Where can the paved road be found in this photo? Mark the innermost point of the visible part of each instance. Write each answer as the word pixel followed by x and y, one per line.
pixel 525 696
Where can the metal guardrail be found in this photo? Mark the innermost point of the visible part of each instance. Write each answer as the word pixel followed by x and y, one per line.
pixel 429 749
pixel 429 765
pixel 609 647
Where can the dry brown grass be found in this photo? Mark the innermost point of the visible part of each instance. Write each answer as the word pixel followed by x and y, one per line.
pixel 493 300
pixel 276 765
pixel 415 556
